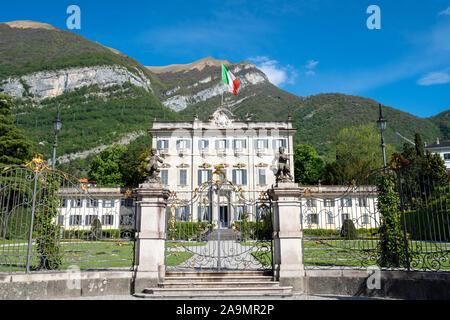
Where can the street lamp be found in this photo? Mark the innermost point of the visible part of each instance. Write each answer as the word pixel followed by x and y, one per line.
pixel 56 126
pixel 382 125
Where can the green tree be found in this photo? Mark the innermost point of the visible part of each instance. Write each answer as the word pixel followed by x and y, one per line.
pixel 308 166
pixel 105 168
pixel 15 148
pixel 357 152
pixel 129 166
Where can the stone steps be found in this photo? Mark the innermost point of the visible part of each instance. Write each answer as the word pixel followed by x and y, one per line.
pixel 225 234
pixel 209 284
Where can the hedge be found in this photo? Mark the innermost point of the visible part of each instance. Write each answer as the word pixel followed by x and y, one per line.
pixel 182 230
pixel 106 234
pixel 428 225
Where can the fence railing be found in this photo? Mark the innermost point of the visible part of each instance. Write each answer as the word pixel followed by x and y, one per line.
pixel 393 218
pixel 50 222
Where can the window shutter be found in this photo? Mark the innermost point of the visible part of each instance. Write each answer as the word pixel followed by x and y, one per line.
pixel 178 144
pixel 158 144
pixel 266 143
pixel 209 174
pixel 199 177
pixel 234 176
pixel 188 144
pixel 234 144
pixel 244 176
pixel 227 144
pixel 244 144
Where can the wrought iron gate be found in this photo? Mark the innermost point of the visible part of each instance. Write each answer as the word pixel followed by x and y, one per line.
pixel 50 221
pixel 219 228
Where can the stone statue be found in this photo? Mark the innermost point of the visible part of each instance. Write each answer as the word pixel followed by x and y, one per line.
pixel 284 171
pixel 152 168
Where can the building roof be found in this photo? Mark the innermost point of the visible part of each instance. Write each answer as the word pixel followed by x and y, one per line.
pixel 443 144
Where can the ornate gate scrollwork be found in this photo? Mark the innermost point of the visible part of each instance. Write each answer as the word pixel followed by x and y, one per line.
pixel 218 228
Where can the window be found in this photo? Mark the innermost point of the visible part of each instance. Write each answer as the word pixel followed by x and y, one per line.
pixel 239 211
pixel 362 202
pixel 346 202
pixel 261 176
pixel 77 203
pixel 240 176
pixel 446 156
pixel 330 218
pixel 182 213
pixel 183 144
pixel 165 177
pixel 277 143
pixel 126 220
pixel 162 144
pixel 365 219
pixel 261 211
pixel 75 220
pixel 108 203
pixel 345 216
pixel 313 218
pixel 204 213
pixel 204 176
pixel 64 203
pixel 127 202
pixel 203 144
pixel 221 144
pixel 60 219
pixel 89 219
pixel 261 143
pixel 92 203
pixel 239 144
pixel 183 177
pixel 311 202
pixel 108 219
pixel 328 202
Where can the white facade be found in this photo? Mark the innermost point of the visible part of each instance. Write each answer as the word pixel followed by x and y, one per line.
pixel 326 207
pixel 108 204
pixel 247 149
pixel 443 149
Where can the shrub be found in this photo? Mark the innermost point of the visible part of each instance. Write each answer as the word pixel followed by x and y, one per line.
pixel 348 230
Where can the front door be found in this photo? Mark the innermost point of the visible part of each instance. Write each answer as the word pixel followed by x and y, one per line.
pixel 224 220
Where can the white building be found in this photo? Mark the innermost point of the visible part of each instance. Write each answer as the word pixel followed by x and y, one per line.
pixel 247 149
pixel 108 204
pixel 443 149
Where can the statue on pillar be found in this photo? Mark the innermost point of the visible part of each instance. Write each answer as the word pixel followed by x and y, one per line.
pixel 152 168
pixel 284 171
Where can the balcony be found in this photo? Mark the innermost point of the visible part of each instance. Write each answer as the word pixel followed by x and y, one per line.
pixel 238 151
pixel 182 151
pixel 204 151
pixel 163 152
pixel 260 151
pixel 221 152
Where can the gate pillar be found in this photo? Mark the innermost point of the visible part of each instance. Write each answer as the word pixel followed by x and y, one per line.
pixel 287 235
pixel 150 235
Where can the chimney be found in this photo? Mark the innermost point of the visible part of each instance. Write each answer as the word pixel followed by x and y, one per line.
pixel 437 140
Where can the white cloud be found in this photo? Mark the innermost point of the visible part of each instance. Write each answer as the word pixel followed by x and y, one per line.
pixel 446 12
pixel 310 73
pixel 311 64
pixel 432 78
pixel 277 74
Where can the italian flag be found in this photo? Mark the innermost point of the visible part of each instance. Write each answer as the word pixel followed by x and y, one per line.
pixel 229 79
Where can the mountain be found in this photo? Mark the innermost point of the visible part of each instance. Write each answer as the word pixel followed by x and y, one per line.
pixel 442 120
pixel 196 88
pixel 106 97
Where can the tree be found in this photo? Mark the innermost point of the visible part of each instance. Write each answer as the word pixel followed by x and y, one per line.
pixel 15 148
pixel 308 166
pixel 130 165
pixel 105 168
pixel 357 152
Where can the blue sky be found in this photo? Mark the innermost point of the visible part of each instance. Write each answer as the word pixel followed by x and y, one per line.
pixel 305 47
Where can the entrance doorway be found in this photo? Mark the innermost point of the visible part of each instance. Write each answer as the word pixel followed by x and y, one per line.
pixel 224 217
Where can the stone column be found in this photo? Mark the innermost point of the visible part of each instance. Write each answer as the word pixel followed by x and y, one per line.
pixel 289 269
pixel 150 235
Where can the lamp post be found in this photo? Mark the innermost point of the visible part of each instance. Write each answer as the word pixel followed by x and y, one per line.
pixel 56 126
pixel 382 125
